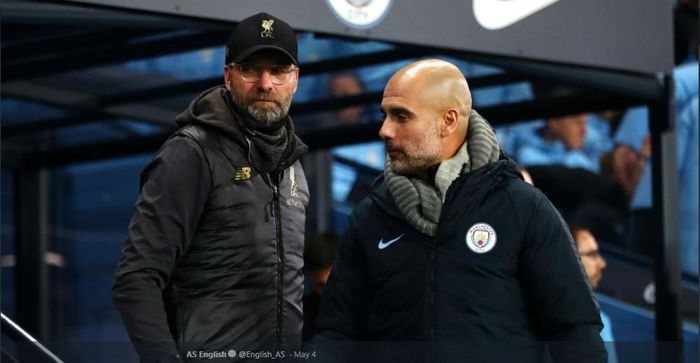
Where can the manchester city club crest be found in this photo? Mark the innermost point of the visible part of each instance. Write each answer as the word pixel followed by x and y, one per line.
pixel 360 14
pixel 481 238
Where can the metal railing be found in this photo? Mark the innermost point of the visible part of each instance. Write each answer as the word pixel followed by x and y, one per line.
pixel 14 331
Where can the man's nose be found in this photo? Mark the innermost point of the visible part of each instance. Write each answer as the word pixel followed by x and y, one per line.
pixel 386 132
pixel 265 81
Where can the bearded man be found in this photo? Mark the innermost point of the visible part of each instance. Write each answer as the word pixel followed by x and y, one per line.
pixel 214 257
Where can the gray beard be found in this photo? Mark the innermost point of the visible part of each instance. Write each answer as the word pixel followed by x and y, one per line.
pixel 266 118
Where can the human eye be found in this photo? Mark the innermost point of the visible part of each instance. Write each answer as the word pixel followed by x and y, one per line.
pixel 247 69
pixel 397 114
pixel 402 116
pixel 280 69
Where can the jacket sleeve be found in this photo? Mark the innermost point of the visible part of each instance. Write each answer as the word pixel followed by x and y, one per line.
pixel 174 189
pixel 566 313
pixel 343 311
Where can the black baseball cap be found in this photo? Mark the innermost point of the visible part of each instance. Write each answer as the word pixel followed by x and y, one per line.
pixel 261 31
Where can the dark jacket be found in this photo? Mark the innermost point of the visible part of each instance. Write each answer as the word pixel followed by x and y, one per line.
pixel 491 303
pixel 215 250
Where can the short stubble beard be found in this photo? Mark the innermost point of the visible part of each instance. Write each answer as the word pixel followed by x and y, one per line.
pixel 426 154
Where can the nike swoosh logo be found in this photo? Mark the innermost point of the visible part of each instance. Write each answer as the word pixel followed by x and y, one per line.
pixel 498 14
pixel 383 245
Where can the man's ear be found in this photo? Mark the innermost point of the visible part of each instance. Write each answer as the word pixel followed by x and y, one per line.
pixel 227 77
pixel 450 121
pixel 296 80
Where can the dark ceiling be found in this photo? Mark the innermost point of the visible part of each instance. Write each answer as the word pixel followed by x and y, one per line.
pixel 67 96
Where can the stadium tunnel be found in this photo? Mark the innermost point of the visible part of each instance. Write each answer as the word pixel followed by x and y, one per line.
pixel 76 95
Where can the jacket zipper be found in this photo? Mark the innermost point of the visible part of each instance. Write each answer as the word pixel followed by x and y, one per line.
pixel 432 313
pixel 280 257
pixel 280 250
pixel 431 294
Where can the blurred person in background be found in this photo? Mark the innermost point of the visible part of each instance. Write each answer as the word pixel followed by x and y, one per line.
pixel 319 255
pixel 559 142
pixel 554 156
pixel 594 264
pixel 347 84
pixel 371 154
pixel 572 140
pixel 340 85
pixel 632 153
pixel 632 167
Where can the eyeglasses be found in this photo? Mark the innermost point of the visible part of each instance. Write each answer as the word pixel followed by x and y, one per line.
pixel 279 74
pixel 591 254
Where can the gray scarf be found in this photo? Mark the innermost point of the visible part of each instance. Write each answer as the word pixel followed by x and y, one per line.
pixel 269 142
pixel 420 202
pixel 270 145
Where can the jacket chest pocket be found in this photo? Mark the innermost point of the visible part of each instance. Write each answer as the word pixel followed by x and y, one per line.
pixel 236 205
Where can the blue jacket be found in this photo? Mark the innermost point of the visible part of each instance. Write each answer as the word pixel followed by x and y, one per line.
pixel 634 128
pixel 532 149
pixel 500 277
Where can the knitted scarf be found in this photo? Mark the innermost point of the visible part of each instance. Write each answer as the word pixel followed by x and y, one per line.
pixel 269 142
pixel 420 202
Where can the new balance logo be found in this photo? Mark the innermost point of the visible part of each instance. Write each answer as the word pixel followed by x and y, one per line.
pixel 242 173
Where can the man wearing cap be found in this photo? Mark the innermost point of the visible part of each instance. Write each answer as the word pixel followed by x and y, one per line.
pixel 213 261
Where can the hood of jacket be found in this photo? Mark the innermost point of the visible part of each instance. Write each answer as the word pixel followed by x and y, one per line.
pixel 214 108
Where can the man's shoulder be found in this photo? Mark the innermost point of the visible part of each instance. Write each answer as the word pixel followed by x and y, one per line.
pixel 196 132
pixel 522 193
pixel 378 194
pixel 378 199
pixel 205 137
pixel 501 175
pixel 189 139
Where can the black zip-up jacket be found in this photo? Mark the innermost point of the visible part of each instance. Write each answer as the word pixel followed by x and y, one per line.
pixel 214 257
pixel 500 278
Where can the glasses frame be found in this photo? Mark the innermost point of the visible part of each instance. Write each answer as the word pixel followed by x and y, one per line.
pixel 274 78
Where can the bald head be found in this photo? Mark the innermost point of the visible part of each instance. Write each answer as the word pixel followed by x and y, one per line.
pixel 427 106
pixel 437 81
